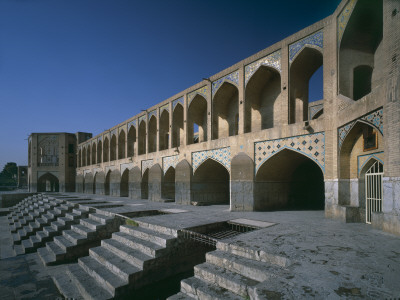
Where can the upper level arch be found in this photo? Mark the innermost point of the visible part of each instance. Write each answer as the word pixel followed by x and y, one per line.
pixel 113 147
pixel 152 134
pixel 121 144
pixel 164 135
pixel 94 156
pixel 142 137
pixel 99 151
pixel 197 120
pixel 177 125
pixel 131 141
pixel 106 149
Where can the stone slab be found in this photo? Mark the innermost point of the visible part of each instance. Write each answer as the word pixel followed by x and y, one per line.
pixel 252 223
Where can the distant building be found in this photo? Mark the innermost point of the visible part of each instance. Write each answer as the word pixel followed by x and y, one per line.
pixel 22 177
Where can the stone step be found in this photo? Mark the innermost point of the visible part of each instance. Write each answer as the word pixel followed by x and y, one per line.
pixel 42 236
pixel 107 279
pixel 63 243
pixel 87 285
pixel 119 266
pixel 16 238
pixel 149 235
pixel 33 226
pixel 92 224
pixel 50 231
pixel 40 222
pixel 200 289
pixel 226 279
pixel 66 287
pixel 158 228
pixel 135 257
pixel 74 237
pixel 56 251
pixel 66 221
pixel 58 226
pixel 80 211
pixel 83 230
pixel 103 219
pixel 256 270
pixel 27 246
pixel 48 218
pixel 180 296
pixel 13 228
pixel 18 250
pixel 146 247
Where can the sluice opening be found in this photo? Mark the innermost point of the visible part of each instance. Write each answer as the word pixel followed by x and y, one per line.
pixel 143 213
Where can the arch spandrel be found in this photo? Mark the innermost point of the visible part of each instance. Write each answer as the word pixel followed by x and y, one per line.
pixel 364 160
pixel 232 78
pixel 221 155
pixel 169 161
pixel 272 60
pixel 314 41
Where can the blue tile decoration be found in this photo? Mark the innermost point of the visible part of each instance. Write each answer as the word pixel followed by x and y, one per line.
pixel 273 60
pixel 152 113
pixel 374 119
pixel 231 78
pixel 113 132
pixel 201 91
pixel 131 123
pixel 122 128
pixel 315 40
pixel 164 107
pixel 146 164
pixel 343 19
pixel 175 102
pixel 100 138
pixel 314 110
pixel 221 155
pixel 310 145
pixel 169 161
pixel 363 159
pixel 142 118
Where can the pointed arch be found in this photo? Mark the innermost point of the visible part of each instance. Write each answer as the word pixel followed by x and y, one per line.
pixel 79 158
pixel 113 148
pixel 84 156
pixel 131 141
pixel 177 126
pixel 164 130
pixel 168 184
pixel 99 152
pixel 121 144
pixel 94 156
pixel 107 183
pixel 142 137
pixel 152 136
pixel 48 183
pixel 197 120
pixel 124 186
pixel 106 150
pixel 88 161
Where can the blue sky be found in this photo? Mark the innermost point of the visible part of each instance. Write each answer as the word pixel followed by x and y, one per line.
pixel 86 65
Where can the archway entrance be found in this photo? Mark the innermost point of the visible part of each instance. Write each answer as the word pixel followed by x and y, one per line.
pixel 144 185
pixel 373 190
pixel 48 183
pixel 168 184
pixel 210 184
pixel 107 184
pixel 289 181
pixel 124 185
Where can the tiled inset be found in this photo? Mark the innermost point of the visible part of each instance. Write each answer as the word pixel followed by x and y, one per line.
pixel 142 118
pixel 175 102
pixel 374 119
pixel 146 164
pixel 100 138
pixel 316 40
pixel 131 123
pixel 310 145
pixel 169 161
pixel 152 113
pixel 221 155
pixel 343 19
pixel 164 107
pixel 314 110
pixel 231 78
pixel 363 159
pixel 273 60
pixel 201 91
pixel 113 132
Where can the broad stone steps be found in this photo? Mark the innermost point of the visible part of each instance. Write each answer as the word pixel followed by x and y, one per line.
pixel 144 246
pixel 149 235
pixel 87 285
pixel 231 281
pixel 66 286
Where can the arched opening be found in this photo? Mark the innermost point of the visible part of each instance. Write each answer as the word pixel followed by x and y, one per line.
pixel 177 126
pixel 84 157
pixel 361 46
pixel 289 181
pixel 124 185
pixel 197 120
pixel 106 149
pixel 142 138
pixel 262 93
pixel 144 185
pixel 88 162
pixel 121 145
pixel 79 158
pixel 210 184
pixel 113 148
pixel 361 140
pixel 107 183
pixel 131 141
pixel 152 142
pixel 316 85
pixel 48 183
pixel 94 156
pixel 99 152
pixel 164 130
pixel 168 184
pixel 306 63
pixel 225 111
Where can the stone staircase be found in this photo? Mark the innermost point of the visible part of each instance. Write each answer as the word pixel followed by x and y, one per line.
pixel 134 257
pixel 76 241
pixel 235 273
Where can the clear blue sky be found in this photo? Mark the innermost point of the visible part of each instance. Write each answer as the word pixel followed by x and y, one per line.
pixel 86 65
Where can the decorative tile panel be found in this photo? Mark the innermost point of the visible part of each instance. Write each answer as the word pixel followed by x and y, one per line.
pixel 343 19
pixel 310 145
pixel 363 159
pixel 316 40
pixel 169 161
pixel 123 127
pixel 313 110
pixel 221 155
pixel 231 78
pixel 113 132
pixel 164 107
pixel 131 123
pixel 146 164
pixel 142 118
pixel 374 119
pixel 273 60
pixel 175 102
pixel 152 113
pixel 100 138
pixel 201 91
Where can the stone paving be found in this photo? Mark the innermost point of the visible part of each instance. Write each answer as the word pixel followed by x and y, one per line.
pixel 324 258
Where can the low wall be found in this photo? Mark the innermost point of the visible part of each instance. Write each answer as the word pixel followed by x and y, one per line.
pixel 8 200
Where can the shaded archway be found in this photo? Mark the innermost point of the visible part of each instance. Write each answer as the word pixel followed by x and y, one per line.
pixel 289 181
pixel 262 110
pixel 48 183
pixel 106 149
pixel 88 162
pixel 144 185
pixel 225 111
pixel 99 152
pixel 197 120
pixel 152 141
pixel 107 183
pixel 113 148
pixel 94 156
pixel 168 184
pixel 99 181
pixel 121 145
pixel 124 186
pixel 210 184
pixel 164 130
pixel 361 45
pixel 142 138
pixel 79 158
pixel 306 63
pixel 177 126
pixel 131 141
pixel 84 157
